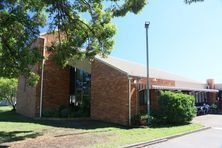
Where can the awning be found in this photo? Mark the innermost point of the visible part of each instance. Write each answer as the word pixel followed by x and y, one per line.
pixel 182 88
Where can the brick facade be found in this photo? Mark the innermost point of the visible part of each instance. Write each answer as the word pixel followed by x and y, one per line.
pixel 109 94
pixel 109 89
pixel 56 86
pixel 136 108
pixel 212 97
pixel 55 90
pixel 26 101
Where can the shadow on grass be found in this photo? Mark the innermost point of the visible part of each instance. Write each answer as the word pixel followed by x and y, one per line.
pixel 88 124
pixel 11 116
pixel 4 146
pixel 16 136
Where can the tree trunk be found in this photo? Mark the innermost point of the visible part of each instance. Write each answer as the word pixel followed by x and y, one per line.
pixel 14 108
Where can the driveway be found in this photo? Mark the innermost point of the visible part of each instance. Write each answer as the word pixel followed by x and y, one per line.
pixel 211 138
pixel 209 120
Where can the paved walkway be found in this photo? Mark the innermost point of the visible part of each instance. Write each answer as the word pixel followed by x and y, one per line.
pixel 209 120
pixel 211 138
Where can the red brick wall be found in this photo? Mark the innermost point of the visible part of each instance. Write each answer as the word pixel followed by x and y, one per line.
pixel 26 100
pixel 161 82
pixel 26 95
pixel 136 108
pixel 56 80
pixel 109 94
pixel 212 97
pixel 56 85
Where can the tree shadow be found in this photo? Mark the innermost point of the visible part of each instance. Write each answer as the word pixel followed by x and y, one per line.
pixel 16 136
pixel 86 124
pixel 4 146
pixel 80 124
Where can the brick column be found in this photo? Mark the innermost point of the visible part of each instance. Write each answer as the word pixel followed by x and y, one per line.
pixel 212 97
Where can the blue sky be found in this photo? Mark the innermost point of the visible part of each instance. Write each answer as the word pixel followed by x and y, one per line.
pixel 183 39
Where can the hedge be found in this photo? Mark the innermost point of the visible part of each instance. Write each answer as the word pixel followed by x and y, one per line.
pixel 174 108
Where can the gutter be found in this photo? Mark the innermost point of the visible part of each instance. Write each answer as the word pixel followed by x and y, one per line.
pixel 42 78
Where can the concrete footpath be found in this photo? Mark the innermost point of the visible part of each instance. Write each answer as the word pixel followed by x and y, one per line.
pixel 209 136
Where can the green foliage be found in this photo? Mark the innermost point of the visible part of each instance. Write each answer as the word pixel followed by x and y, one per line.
pixel 139 119
pixel 50 113
pixel 66 112
pixel 8 89
pixel 84 27
pixel 174 108
pixel 135 120
pixel 32 79
pixel 213 108
pixel 19 27
pixel 86 37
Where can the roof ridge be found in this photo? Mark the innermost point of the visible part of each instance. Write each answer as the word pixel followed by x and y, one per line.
pixel 128 68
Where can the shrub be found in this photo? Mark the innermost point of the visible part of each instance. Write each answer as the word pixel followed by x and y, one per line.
pixel 174 108
pixel 139 119
pixel 79 114
pixel 51 113
pixel 61 107
pixel 213 108
pixel 64 113
pixel 135 120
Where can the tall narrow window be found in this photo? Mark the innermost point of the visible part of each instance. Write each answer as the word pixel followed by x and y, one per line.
pixel 143 97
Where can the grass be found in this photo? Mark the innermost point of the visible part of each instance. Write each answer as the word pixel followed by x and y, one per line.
pixel 14 127
pixel 135 135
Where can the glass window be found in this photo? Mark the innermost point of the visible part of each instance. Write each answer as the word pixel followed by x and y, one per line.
pixel 80 86
pixel 143 97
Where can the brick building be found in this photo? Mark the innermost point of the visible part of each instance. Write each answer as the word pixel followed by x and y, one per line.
pixel 116 87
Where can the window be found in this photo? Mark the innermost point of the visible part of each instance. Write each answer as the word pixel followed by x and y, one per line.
pixel 143 97
pixel 80 85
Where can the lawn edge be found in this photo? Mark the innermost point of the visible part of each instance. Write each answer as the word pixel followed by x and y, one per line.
pixel 164 139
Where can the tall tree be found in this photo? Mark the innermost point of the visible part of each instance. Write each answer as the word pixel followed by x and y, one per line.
pixel 86 27
pixel 19 27
pixel 8 89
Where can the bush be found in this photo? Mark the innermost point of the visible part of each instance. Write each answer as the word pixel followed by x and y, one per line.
pixel 79 114
pixel 64 113
pixel 51 113
pixel 174 108
pixel 135 120
pixel 213 108
pixel 139 119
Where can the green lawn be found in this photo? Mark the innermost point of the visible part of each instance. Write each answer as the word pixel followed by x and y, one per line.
pixel 14 127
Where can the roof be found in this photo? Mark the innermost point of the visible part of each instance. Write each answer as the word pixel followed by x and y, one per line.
pixel 183 88
pixel 218 86
pixel 139 70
